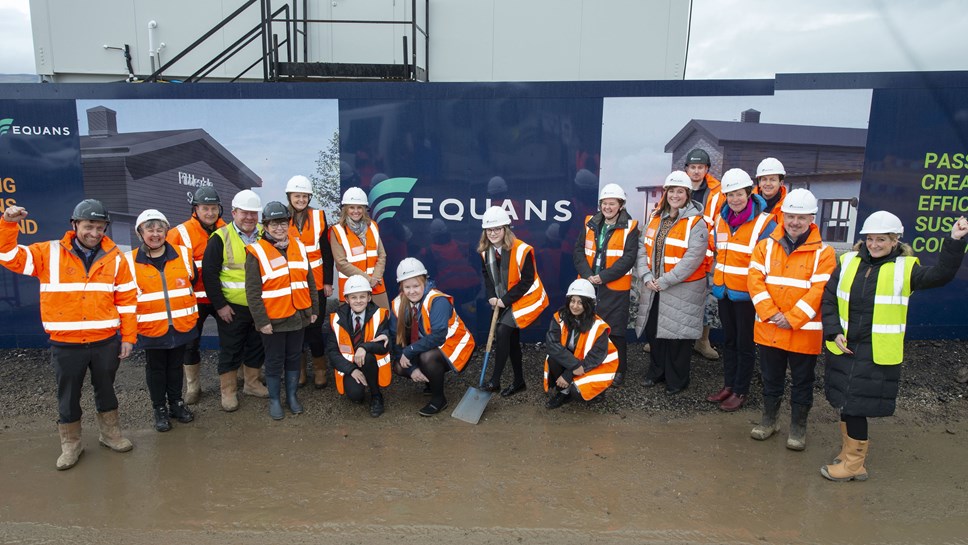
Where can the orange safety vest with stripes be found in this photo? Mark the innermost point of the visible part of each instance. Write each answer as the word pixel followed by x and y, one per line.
pixel 360 255
pixel 344 339
pixel 613 251
pixel 459 343
pixel 193 236
pixel 595 381
pixel 165 299
pixel 285 279
pixel 315 228
pixel 76 306
pixel 714 200
pixel 777 212
pixel 676 244
pixel 733 252
pixel 526 309
pixel 792 284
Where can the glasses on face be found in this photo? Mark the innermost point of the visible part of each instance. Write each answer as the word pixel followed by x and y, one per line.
pixel 278 225
pixel 494 230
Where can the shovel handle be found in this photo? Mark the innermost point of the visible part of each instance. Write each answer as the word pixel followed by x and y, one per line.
pixel 490 334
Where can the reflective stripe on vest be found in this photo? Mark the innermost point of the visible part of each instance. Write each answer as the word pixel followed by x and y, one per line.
pixel 193 236
pixel 344 340
pixel 363 257
pixel 285 278
pixel 526 309
pixel 676 244
pixel 593 382
pixel 734 249
pixel 615 249
pixel 310 235
pixel 165 298
pixel 232 275
pixel 459 343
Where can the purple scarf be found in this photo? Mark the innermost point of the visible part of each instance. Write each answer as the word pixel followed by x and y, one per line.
pixel 736 219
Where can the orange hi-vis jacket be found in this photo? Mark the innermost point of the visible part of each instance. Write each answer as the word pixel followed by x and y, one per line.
pixel 733 252
pixel 614 250
pixel 360 255
pixel 76 306
pixel 596 380
pixel 526 309
pixel 714 201
pixel 792 284
pixel 458 344
pixel 314 229
pixel 165 299
pixel 676 244
pixel 285 279
pixel 777 213
pixel 344 339
pixel 193 236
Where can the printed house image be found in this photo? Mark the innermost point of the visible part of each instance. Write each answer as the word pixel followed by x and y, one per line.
pixel 828 161
pixel 130 172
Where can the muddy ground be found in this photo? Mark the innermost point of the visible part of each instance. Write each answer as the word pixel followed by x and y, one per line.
pixel 639 467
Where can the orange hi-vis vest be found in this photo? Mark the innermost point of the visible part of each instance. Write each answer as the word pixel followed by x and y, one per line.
pixel 595 381
pixel 792 284
pixel 285 279
pixel 676 244
pixel 164 298
pixel 193 236
pixel 614 250
pixel 362 256
pixel 734 249
pixel 344 338
pixel 526 309
pixel 714 201
pixel 459 343
pixel 314 229
pixel 777 212
pixel 76 306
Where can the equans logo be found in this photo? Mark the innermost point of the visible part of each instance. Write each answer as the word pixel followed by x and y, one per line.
pixel 387 196
pixel 7 127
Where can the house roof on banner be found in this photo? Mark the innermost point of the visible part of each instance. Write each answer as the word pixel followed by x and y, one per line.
pixel 720 132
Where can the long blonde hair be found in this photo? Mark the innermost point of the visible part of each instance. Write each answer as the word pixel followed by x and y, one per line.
pixel 343 215
pixel 506 243
pixel 403 312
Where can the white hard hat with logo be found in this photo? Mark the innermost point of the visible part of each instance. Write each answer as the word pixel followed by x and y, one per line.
pixel 678 178
pixel 410 267
pixel 735 178
pixel 148 215
pixel 495 216
pixel 770 165
pixel 799 201
pixel 247 200
pixel 612 191
pixel 581 287
pixel 882 222
pixel 299 184
pixel 356 284
pixel 355 195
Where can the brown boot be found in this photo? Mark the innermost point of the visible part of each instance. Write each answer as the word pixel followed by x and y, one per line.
pixel 302 369
pixel 240 376
pixel 843 444
pixel 703 346
pixel 228 387
pixel 110 425
pixel 252 386
pixel 71 448
pixel 851 468
pixel 320 376
pixel 193 388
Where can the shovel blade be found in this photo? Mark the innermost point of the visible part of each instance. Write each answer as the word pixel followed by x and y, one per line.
pixel 472 405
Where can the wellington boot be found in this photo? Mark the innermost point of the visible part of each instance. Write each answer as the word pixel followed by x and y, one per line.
pixel 797 439
pixel 71 448
pixel 292 384
pixel 110 425
pixel 703 346
pixel 320 375
pixel 193 387
pixel 302 369
pixel 252 386
pixel 843 444
pixel 767 426
pixel 228 388
pixel 851 468
pixel 275 405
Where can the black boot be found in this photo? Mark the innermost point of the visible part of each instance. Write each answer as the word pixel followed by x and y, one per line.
pixel 162 422
pixel 376 405
pixel 767 426
pixel 180 412
pixel 559 399
pixel 798 427
pixel 274 385
pixel 292 383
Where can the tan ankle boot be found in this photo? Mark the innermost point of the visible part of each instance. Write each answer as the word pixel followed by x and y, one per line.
pixel 843 444
pixel 110 424
pixel 302 369
pixel 193 388
pixel 851 468
pixel 320 375
pixel 71 448
pixel 703 346
pixel 228 388
pixel 252 386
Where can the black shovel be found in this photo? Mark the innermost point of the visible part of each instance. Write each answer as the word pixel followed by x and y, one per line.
pixel 472 405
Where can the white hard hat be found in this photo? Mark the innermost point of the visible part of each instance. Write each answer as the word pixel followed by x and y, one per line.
pixel 678 178
pixel 770 165
pixel 882 222
pixel 612 191
pixel 495 216
pixel 247 200
pixel 799 201
pixel 148 215
pixel 355 195
pixel 299 184
pixel 356 284
pixel 581 287
pixel 410 267
pixel 735 178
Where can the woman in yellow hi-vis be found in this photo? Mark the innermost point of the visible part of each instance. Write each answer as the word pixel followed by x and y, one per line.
pixel 864 312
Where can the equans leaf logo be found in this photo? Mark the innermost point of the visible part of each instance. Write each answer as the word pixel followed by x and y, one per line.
pixel 387 196
pixel 5 125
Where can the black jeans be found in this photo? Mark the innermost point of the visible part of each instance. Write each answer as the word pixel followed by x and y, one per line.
pixel 738 355
pixel 71 364
pixel 371 371
pixel 164 374
pixel 282 351
pixel 773 366
pixel 193 355
pixel 239 341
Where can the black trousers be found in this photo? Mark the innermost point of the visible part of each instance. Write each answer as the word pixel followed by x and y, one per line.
pixel 555 370
pixel 314 335
pixel 738 353
pixel 239 341
pixel 164 374
pixel 773 366
pixel 71 364
pixel 433 364
pixel 282 351
pixel 193 355
pixel 670 360
pixel 371 371
pixel 508 345
pixel 622 347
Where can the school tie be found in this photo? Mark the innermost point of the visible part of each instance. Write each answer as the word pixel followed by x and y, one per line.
pixel 357 333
